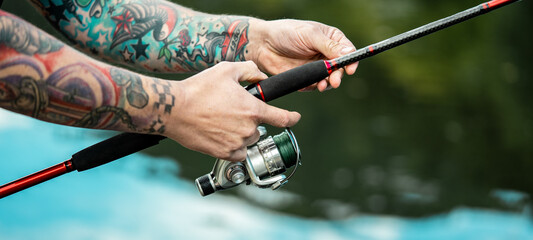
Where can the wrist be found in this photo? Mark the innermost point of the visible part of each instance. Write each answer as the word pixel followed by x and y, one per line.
pixel 167 97
pixel 257 39
pixel 152 107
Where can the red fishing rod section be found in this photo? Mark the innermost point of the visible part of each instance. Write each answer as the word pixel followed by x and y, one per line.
pixel 36 178
pixel 98 154
pixel 269 89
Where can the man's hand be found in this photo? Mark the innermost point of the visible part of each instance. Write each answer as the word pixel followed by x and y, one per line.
pixel 217 116
pixel 277 46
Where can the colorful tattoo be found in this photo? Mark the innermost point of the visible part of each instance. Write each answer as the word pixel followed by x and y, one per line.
pixel 75 94
pixel 135 93
pixel 42 78
pixel 153 34
pixel 18 36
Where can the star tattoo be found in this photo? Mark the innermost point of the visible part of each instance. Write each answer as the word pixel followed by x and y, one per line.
pixel 126 54
pixel 140 49
pixel 123 22
pixel 186 21
pixel 56 11
pixel 202 39
pixel 111 10
pixel 101 39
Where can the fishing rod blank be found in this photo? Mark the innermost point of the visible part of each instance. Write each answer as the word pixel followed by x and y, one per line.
pixel 310 73
pixel 269 89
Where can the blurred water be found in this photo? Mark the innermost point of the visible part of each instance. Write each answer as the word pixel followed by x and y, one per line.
pixel 140 197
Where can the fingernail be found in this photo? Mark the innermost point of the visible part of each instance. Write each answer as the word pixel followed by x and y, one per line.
pixel 347 50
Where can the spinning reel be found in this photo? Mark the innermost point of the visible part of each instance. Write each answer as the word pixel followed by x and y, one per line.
pixel 265 162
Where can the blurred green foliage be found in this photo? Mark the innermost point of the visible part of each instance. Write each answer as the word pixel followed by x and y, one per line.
pixel 438 123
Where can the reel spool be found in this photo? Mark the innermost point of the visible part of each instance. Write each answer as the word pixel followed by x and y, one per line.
pixel 265 162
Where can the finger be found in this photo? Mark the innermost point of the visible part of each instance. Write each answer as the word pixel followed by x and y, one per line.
pixel 332 43
pixel 328 47
pixel 322 85
pixel 245 71
pixel 343 40
pixel 337 35
pixel 348 47
pixel 350 69
pixel 335 78
pixel 278 117
pixel 252 139
pixel 238 155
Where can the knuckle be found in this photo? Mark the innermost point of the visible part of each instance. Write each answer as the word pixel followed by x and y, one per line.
pixel 335 30
pixel 250 132
pixel 235 144
pixel 250 65
pixel 332 44
pixel 223 64
pixel 255 114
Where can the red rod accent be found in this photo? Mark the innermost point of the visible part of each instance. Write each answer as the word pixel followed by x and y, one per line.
pixel 328 66
pixel 371 49
pixel 261 92
pixel 495 3
pixel 331 65
pixel 36 178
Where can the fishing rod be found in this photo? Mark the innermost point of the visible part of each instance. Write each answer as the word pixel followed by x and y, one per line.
pixel 283 146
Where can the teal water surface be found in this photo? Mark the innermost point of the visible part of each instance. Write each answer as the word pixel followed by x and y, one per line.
pixel 140 197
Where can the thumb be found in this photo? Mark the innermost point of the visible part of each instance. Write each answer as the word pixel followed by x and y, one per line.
pixel 328 47
pixel 278 117
pixel 247 71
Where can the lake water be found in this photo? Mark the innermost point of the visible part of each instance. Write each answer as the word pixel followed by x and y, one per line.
pixel 140 197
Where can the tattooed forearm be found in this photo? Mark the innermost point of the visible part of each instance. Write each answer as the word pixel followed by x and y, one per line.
pixel 152 34
pixel 17 35
pixel 135 93
pixel 42 78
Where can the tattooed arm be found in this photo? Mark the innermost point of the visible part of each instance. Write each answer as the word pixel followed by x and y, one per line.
pixel 210 112
pixel 161 36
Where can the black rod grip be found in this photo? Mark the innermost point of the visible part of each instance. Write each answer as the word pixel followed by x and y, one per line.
pixel 289 81
pixel 112 149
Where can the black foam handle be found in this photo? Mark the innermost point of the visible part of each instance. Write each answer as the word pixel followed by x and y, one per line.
pixel 289 81
pixel 112 149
